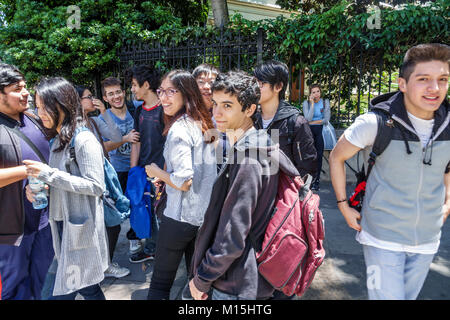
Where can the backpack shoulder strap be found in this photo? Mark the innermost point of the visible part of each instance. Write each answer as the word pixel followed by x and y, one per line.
pixel 72 147
pixel 37 122
pixel 385 126
pixel 28 142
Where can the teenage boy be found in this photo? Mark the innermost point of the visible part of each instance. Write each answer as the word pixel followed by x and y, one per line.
pixel 149 123
pixel 119 152
pixel 26 248
pixel 276 114
pixel 224 259
pixel 205 74
pixel 119 155
pixel 407 195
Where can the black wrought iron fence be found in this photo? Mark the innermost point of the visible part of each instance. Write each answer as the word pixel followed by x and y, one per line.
pixel 227 51
pixel 359 78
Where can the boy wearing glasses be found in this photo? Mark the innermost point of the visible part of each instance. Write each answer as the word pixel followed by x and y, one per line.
pixel 407 197
pixel 119 155
pixel 119 152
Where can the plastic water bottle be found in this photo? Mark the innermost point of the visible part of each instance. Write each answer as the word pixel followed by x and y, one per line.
pixel 40 195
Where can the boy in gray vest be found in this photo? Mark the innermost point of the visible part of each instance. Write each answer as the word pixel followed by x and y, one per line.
pixel 407 197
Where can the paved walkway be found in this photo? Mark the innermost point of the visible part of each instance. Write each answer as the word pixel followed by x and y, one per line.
pixel 341 276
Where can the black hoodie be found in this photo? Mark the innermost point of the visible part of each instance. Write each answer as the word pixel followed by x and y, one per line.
pixel 242 198
pixel 295 137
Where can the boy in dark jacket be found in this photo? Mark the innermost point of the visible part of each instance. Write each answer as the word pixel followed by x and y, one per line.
pixel 283 122
pixel 242 198
pixel 26 248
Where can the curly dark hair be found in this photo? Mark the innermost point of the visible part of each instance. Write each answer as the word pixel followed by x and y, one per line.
pixel 239 84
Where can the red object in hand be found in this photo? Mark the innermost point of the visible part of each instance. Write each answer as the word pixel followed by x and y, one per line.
pixel 358 194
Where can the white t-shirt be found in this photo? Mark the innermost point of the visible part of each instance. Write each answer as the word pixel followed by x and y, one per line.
pixel 266 123
pixel 362 133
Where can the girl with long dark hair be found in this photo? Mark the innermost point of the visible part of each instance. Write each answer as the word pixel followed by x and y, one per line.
pixel 104 127
pixel 189 176
pixel 75 206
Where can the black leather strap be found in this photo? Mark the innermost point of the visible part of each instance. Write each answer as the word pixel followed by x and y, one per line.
pixel 29 142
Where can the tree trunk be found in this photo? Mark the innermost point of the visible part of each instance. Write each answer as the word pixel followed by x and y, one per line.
pixel 220 12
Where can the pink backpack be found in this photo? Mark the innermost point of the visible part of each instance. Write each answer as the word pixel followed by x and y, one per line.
pixel 292 248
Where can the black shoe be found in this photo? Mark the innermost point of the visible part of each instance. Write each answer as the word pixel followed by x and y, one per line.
pixel 186 293
pixel 141 256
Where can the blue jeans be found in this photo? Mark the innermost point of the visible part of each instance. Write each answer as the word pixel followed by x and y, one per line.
pixel 395 275
pixel 23 268
pixel 219 295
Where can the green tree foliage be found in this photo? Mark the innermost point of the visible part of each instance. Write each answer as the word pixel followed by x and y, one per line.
pixel 306 5
pixel 37 37
pixel 318 43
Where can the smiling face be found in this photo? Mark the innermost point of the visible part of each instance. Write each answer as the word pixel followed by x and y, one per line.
pixel 14 100
pixel 115 96
pixel 139 92
pixel 86 101
pixel 426 88
pixel 171 98
pixel 205 81
pixel 228 112
pixel 315 93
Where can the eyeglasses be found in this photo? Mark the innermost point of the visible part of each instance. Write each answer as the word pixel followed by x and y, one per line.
pixel 118 93
pixel 169 92
pixel 90 97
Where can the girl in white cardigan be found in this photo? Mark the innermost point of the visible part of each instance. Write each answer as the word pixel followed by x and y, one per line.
pixel 75 206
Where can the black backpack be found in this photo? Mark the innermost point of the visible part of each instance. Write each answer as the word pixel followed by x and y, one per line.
pixel 382 140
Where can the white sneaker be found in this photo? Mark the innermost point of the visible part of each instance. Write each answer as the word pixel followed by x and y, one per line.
pixel 135 246
pixel 116 271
